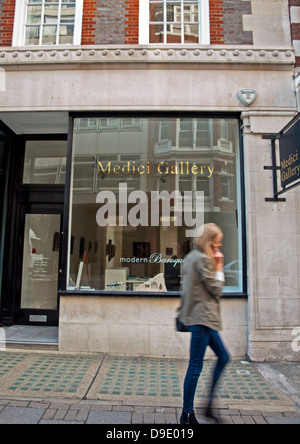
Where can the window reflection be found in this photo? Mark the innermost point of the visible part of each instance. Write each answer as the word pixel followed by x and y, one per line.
pixel 174 21
pixel 40 261
pixel 50 22
pixel 45 162
pixel 121 238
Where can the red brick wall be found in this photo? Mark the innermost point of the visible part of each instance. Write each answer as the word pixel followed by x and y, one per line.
pixel 7 14
pixel 132 22
pixel 295 31
pixel 216 12
pixel 88 22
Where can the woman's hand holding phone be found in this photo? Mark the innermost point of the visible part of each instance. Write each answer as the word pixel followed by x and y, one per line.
pixel 219 257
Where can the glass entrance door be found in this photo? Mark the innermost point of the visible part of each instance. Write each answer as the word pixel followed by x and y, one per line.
pixel 40 269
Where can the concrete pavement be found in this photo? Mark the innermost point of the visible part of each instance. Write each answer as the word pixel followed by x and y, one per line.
pixel 51 388
pixel 51 411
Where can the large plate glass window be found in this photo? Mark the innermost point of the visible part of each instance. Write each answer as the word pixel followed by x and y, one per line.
pixel 139 188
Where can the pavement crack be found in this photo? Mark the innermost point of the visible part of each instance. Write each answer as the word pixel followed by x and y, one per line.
pixel 94 378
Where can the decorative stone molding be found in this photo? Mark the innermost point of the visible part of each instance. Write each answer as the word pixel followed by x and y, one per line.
pixel 147 54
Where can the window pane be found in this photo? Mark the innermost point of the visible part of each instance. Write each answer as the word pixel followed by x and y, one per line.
pixel 156 34
pixel 66 33
pixel 51 14
pixel 45 162
pixel 174 33
pixel 156 12
pixel 137 194
pixel 40 261
pixel 191 33
pixel 191 12
pixel 32 35
pixel 49 35
pixel 174 12
pixel 67 13
pixel 34 14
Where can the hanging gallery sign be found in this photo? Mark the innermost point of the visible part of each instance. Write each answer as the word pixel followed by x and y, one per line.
pixel 287 142
pixel 289 147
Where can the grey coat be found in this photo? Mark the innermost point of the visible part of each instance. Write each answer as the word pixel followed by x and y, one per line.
pixel 201 292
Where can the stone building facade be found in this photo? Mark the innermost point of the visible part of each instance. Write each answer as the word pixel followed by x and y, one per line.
pixel 150 94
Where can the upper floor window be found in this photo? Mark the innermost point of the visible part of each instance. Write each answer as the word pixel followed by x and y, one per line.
pixel 47 22
pixel 174 21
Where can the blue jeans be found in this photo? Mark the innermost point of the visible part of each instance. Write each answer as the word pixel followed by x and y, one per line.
pixel 201 338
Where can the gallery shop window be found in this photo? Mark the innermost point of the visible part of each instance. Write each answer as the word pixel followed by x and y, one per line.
pixel 47 22
pixel 139 188
pixel 174 21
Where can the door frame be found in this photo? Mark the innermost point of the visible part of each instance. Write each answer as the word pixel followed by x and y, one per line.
pixel 18 196
pixel 5 137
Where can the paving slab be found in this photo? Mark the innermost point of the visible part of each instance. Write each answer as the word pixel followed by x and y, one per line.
pixel 21 415
pixel 98 417
pixel 282 420
pixel 42 374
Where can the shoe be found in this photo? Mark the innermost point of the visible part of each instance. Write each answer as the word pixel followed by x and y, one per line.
pixel 186 418
pixel 209 414
pixel 193 419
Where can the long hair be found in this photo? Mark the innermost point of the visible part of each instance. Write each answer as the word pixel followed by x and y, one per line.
pixel 206 235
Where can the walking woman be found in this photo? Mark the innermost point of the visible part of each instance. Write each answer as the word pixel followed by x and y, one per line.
pixel 203 280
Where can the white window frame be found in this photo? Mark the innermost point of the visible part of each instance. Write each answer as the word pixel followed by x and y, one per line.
pixel 144 19
pixel 20 21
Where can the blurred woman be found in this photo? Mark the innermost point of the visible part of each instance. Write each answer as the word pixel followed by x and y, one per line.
pixel 203 281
